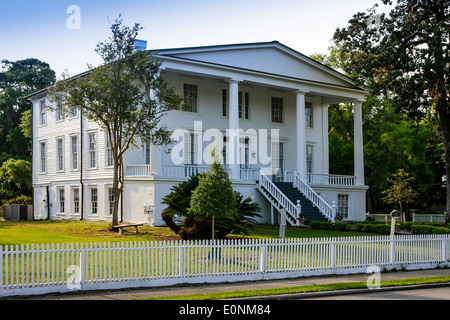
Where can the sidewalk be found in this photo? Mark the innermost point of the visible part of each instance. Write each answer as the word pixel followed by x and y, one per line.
pixel 238 286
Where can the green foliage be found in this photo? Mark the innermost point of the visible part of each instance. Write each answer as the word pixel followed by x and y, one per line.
pixel 191 225
pixel 404 57
pixel 17 79
pixel 214 196
pixel 15 178
pixel 125 95
pixel 339 226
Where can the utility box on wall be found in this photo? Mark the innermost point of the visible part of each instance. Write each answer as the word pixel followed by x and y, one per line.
pixel 18 212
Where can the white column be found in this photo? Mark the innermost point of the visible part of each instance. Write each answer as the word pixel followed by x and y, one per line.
pixel 325 143
pixel 156 152
pixel 301 135
pixel 233 132
pixel 358 144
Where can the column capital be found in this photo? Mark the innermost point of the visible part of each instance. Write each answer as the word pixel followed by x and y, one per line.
pixel 233 80
pixel 358 101
pixel 300 91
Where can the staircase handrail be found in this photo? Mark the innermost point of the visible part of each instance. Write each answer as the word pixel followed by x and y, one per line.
pixel 311 195
pixel 293 210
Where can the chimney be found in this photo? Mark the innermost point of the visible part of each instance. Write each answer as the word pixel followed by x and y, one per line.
pixel 140 45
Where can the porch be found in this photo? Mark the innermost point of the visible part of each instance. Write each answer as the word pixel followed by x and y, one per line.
pixel 245 174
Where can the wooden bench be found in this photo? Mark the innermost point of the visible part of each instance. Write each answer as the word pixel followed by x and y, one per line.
pixel 121 226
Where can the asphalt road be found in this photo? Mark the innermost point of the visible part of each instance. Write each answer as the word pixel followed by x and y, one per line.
pixel 437 293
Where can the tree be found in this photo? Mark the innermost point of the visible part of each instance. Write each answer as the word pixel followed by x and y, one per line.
pixel 17 79
pixel 405 56
pixel 193 226
pixel 15 178
pixel 125 95
pixel 400 190
pixel 214 197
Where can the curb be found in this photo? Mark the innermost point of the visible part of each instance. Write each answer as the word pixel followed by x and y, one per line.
pixel 308 295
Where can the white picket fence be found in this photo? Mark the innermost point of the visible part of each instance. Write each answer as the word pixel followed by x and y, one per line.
pixel 37 269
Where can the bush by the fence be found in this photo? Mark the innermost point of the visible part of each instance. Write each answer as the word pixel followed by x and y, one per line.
pixel 428 229
pixel 340 226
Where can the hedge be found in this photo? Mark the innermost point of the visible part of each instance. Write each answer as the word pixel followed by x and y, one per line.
pixel 382 227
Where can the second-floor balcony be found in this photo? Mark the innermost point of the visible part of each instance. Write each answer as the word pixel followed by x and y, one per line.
pixel 246 174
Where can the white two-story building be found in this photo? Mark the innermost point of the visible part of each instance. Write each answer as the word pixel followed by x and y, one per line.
pixel 277 97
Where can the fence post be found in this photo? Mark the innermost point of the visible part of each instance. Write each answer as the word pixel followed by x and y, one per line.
pixel 82 266
pixel 333 254
pixel 1 269
pixel 392 250
pixel 182 260
pixel 445 240
pixel 263 258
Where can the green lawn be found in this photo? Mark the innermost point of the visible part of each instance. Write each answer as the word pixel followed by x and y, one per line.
pixel 43 232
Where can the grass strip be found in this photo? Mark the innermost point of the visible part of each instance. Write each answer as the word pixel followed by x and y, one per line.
pixel 303 289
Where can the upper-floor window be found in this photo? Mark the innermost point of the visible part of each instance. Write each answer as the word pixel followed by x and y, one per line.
pixel 42 113
pixel 74 152
pixel 92 150
pixel 43 157
pixel 308 115
pixel 244 105
pixel 277 110
pixel 58 112
pixel 109 153
pixel 60 154
pixel 190 92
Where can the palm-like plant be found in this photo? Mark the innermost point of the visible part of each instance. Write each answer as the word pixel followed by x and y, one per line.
pixel 198 226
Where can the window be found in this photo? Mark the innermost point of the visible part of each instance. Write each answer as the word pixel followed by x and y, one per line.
pixel 191 94
pixel 60 154
pixel 111 201
pixel 76 200
pixel 244 152
pixel 278 158
pixel 58 113
pixel 74 152
pixel 244 105
pixel 74 112
pixel 224 102
pixel 147 152
pixel 42 113
pixel 309 158
pixel 308 115
pixel 61 200
pixel 342 207
pixel 94 201
pixel 92 150
pixel 277 110
pixel 109 153
pixel 191 149
pixel 43 157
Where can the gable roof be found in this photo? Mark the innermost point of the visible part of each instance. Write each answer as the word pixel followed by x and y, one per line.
pixel 271 58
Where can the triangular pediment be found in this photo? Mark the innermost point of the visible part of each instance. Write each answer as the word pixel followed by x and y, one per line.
pixel 271 58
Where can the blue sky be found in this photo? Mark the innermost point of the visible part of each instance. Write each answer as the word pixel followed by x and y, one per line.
pixel 38 29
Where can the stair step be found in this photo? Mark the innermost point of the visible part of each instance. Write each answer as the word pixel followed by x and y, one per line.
pixel 308 209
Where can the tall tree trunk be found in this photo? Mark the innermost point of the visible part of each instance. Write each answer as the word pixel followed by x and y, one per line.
pixel 443 114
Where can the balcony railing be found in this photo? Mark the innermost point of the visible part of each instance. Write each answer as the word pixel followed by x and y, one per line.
pixel 331 179
pixel 246 174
